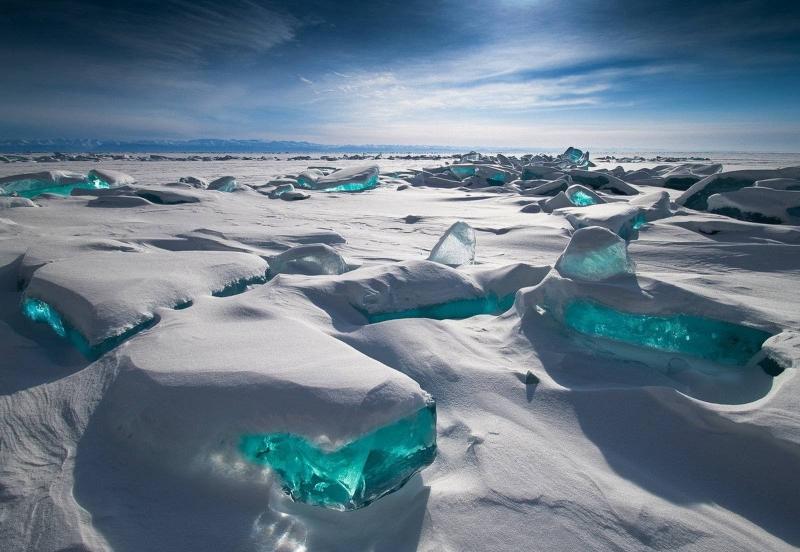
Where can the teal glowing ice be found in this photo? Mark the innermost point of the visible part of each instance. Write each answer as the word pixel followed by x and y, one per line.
pixel 367 184
pixel 37 310
pixel 238 286
pixel 354 475
pixel 37 188
pixel 639 221
pixel 705 338
pixel 454 310
pixel 581 198
pixel 462 171
pixel 598 264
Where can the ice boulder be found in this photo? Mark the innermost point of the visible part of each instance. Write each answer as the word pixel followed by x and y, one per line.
pixel 696 197
pixel 194 182
pixel 581 196
pixel 311 259
pixel 456 246
pixel 287 192
pixel 623 219
pixel 104 178
pixel 605 181
pixel 573 157
pixel 764 205
pixel 352 179
pixel 594 253
pixel 655 205
pixel 31 185
pixel 227 184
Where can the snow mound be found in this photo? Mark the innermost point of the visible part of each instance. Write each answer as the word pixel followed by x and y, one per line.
pixel 12 202
pixel 456 246
pixel 696 197
pixel 758 204
pixel 311 259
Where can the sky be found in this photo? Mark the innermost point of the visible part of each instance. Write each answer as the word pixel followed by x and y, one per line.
pixel 671 75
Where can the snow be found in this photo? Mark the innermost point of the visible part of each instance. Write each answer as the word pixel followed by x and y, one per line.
pixel 551 428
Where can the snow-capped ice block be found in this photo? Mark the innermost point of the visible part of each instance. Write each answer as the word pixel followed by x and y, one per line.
pixel 167 196
pixel 595 253
pixel 581 196
pixel 602 181
pixel 697 196
pixel 462 171
pixel 655 205
pixel 354 475
pixel 30 185
pixel 12 202
pixel 311 259
pixel 104 178
pixel 280 190
pixel 194 182
pixel 558 201
pixel 791 184
pixel 551 187
pixel 456 246
pixel 352 179
pixel 453 310
pixel 233 380
pixel 226 184
pixel 133 285
pixel 758 204
pixel 573 157
pixel 714 340
pixel 623 219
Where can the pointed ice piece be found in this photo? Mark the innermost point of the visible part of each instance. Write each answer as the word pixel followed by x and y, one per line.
pixel 556 202
pixel 456 247
pixel 594 254
pixel 654 204
pixel 311 259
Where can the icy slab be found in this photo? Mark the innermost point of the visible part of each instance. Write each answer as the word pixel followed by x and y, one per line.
pixel 758 204
pixel 656 205
pixel 622 219
pixel 453 310
pixel 12 202
pixel 550 187
pixel 352 179
pixel 105 178
pixel 311 259
pixel 676 177
pixel 227 184
pixel 130 286
pixel 167 196
pixel 791 184
pixel 354 475
pixel 593 254
pixel 601 180
pixel 280 190
pixel 573 157
pixel 31 185
pixel 194 182
pixel 581 196
pixel 559 201
pixel 697 196
pixel 714 340
pixel 456 246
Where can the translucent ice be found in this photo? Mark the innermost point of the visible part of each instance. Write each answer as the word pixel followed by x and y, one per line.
pixel 225 184
pixel 582 197
pixel 709 339
pixel 49 182
pixel 456 247
pixel 354 475
pixel 312 259
pixel 453 310
pixel 353 179
pixel 593 254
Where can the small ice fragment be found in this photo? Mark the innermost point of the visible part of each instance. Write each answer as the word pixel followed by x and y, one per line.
pixel 456 247
pixel 594 254
pixel 311 259
pixel 225 184
pixel 280 190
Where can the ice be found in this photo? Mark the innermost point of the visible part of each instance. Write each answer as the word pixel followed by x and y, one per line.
pixel 573 157
pixel 605 181
pixel 456 247
pixel 758 204
pixel 280 190
pixel 105 178
pixel 354 179
pixel 580 196
pixel 791 184
pixel 30 185
pixel 594 254
pixel 621 218
pixel 715 340
pixel 311 259
pixel 454 310
pixel 12 202
pixel 697 196
pixel 354 475
pixel 226 184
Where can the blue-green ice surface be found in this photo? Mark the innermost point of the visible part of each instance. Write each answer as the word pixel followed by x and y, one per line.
pixel 37 310
pixel 238 286
pixel 705 338
pixel 354 475
pixel 454 310
pixel 462 172
pixel 33 188
pixel 367 184
pixel 581 199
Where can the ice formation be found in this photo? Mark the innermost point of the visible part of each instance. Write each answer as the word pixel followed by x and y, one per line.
pixel 696 197
pixel 758 204
pixel 312 259
pixel 714 340
pixel 31 185
pixel 456 246
pixel 453 310
pixel 226 184
pixel 621 218
pixel 595 253
pixel 580 196
pixel 354 179
pixel 354 475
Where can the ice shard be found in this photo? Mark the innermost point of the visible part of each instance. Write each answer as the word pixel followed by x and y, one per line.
pixel 354 475
pixel 456 247
pixel 594 254
pixel 714 340
pixel 353 179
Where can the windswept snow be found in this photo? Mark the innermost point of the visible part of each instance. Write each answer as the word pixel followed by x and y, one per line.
pixel 612 352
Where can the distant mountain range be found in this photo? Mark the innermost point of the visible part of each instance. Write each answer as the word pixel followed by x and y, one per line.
pixel 205 145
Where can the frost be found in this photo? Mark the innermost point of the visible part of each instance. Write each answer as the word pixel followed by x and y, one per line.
pixel 354 475
pixel 456 247
pixel 594 254
pixel 312 259
pixel 705 338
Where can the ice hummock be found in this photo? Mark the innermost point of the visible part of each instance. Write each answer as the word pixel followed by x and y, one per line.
pixel 31 185
pixel 456 246
pixel 352 179
pixel 595 253
pixel 758 204
pixel 354 475
pixel 310 259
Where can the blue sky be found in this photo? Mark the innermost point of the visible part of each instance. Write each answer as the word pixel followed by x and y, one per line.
pixel 632 74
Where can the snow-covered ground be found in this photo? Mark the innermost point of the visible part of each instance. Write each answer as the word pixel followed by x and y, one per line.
pixel 548 437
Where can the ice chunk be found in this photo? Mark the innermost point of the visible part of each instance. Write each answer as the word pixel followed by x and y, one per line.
pixel 226 184
pixel 697 196
pixel 353 179
pixel 456 247
pixel 104 178
pixel 580 196
pixel 654 204
pixel 558 201
pixel 30 185
pixel 593 254
pixel 11 202
pixel 354 475
pixel 621 218
pixel 600 180
pixel 311 259
pixel 758 204
pixel 280 190
pixel 194 182
pixel 791 184
pixel 705 338
pixel 574 157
